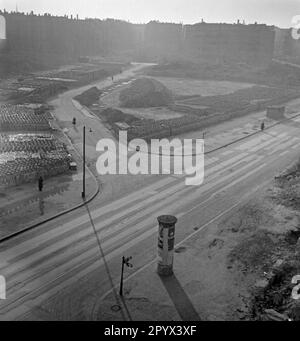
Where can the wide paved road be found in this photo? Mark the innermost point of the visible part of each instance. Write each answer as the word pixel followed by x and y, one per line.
pixel 62 260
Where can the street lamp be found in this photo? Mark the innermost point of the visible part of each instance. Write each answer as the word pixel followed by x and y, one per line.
pixel 83 173
pixel 125 261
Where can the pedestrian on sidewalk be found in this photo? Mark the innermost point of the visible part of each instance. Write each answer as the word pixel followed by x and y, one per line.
pixel 41 183
pixel 262 126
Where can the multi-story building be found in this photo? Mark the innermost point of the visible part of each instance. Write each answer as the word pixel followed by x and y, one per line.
pixel 286 45
pixel 163 40
pixel 47 39
pixel 217 43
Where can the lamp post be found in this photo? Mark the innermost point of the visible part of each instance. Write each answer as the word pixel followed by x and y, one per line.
pixel 83 173
pixel 125 261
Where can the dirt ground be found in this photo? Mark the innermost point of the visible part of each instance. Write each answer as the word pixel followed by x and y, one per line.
pixel 179 87
pixel 245 265
pixel 155 113
pixel 189 87
pixel 266 258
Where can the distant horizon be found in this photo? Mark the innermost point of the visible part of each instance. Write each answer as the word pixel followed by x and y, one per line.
pixel 188 12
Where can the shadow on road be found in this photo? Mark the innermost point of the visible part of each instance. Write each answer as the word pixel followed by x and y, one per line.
pixel 180 299
pixel 269 134
pixel 41 205
pixel 120 302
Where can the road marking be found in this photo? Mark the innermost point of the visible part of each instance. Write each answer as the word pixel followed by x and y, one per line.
pixel 121 250
pixel 227 152
pixel 178 189
pixel 282 146
pixel 190 236
pixel 117 205
pixel 141 227
pixel 284 153
pixel 277 142
pixel 88 252
pixel 266 144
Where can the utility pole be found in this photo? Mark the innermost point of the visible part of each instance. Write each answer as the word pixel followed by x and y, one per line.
pixel 124 261
pixel 83 173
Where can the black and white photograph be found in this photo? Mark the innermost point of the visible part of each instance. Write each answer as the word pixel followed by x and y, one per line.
pixel 150 163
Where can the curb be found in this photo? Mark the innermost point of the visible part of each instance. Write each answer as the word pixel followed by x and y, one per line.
pixel 213 150
pixel 237 140
pixel 252 134
pixel 31 227
pixel 28 228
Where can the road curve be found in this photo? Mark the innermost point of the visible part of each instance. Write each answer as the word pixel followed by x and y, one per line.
pixel 61 261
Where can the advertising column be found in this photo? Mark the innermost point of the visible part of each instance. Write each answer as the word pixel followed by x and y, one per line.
pixel 166 238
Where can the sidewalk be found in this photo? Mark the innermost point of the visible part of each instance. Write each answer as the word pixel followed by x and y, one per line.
pixel 215 136
pixel 227 132
pixel 215 292
pixel 23 206
pixel 211 294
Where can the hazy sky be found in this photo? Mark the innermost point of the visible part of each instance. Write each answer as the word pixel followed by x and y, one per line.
pixel 273 12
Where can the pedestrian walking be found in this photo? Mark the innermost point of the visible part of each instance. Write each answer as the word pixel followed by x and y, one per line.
pixel 41 183
pixel 262 126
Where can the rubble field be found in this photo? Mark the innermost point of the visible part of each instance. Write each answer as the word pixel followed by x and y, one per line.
pixel 167 103
pixel 267 254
